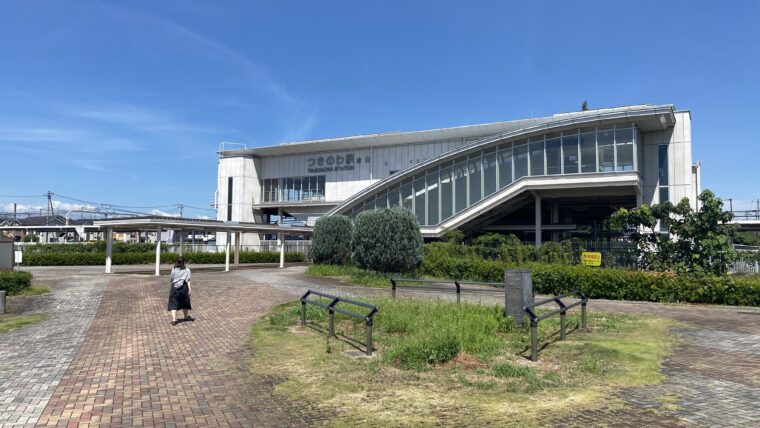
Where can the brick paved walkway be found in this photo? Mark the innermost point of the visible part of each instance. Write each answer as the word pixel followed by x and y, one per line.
pixel 34 358
pixel 135 369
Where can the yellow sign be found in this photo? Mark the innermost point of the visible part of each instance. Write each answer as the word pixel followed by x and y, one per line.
pixel 591 259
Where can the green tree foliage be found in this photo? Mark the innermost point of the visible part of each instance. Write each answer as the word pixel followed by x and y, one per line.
pixel 699 242
pixel 387 240
pixel 331 242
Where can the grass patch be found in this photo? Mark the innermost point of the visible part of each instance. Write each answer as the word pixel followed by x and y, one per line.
pixel 12 322
pixel 351 275
pixel 439 363
pixel 34 290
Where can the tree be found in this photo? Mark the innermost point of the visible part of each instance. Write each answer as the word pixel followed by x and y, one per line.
pixel 584 106
pixel 695 242
pixel 387 240
pixel 331 242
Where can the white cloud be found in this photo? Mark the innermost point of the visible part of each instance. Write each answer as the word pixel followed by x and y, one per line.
pixel 163 213
pixel 60 208
pixel 202 217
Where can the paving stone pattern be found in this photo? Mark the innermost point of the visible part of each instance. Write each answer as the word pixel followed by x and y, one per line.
pixel 34 358
pixel 135 369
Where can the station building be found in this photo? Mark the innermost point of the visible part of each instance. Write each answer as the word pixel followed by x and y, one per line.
pixel 548 178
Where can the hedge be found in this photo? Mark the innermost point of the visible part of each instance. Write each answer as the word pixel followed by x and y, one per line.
pixel 91 259
pixel 13 282
pixel 387 240
pixel 600 283
pixel 331 242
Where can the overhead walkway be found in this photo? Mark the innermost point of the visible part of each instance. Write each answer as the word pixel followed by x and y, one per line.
pixel 582 155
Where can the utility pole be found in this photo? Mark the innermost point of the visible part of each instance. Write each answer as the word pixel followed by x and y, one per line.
pixel 730 204
pixel 180 210
pixel 50 210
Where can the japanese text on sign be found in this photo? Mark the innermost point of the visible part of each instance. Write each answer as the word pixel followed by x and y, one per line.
pixel 591 258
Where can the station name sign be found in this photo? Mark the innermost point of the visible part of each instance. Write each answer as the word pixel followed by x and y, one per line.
pixel 332 163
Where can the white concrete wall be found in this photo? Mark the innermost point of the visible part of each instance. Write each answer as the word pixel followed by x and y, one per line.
pixel 680 180
pixel 246 189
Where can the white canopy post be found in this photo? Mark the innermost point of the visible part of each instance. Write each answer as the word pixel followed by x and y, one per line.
pixel 281 238
pixel 109 248
pixel 158 250
pixel 181 253
pixel 227 252
pixel 237 249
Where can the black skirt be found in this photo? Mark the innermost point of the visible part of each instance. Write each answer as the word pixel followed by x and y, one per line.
pixel 179 298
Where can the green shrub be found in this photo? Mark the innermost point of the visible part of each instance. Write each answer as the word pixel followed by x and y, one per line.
pixel 600 283
pixel 416 353
pixel 331 242
pixel 387 240
pixel 129 258
pixel 15 282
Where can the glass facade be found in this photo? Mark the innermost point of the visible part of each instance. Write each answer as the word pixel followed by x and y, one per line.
pixel 291 189
pixel 449 188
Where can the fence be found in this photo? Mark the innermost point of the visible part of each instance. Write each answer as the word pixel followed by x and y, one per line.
pixel 614 253
pixel 445 286
pixel 562 311
pixel 302 247
pixel 331 308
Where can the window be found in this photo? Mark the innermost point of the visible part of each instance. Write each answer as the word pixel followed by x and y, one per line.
pixel 505 166
pixel 553 156
pixel 407 195
pixel 432 197
pixel 382 201
pixel 588 152
pixel 393 197
pixel 521 160
pixel 662 159
pixel 419 199
pixel 229 198
pixel 624 148
pixel 489 173
pixel 473 173
pixel 606 141
pixel 447 193
pixel 570 154
pixel 537 157
pixel 460 186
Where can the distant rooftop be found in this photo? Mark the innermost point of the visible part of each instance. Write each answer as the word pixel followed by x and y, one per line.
pixel 412 137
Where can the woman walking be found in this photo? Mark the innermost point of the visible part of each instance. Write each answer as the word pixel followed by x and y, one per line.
pixel 179 295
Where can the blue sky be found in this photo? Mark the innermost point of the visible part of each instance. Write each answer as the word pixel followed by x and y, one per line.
pixel 126 102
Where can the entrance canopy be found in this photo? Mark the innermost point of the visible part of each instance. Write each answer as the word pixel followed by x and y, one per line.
pixel 159 224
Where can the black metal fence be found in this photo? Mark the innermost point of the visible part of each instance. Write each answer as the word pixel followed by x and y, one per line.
pixel 332 309
pixel 614 253
pixel 562 311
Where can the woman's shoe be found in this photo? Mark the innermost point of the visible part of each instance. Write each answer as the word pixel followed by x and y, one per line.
pixel 188 318
pixel 174 322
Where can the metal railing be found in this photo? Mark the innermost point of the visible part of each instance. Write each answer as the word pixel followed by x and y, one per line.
pixel 457 286
pixel 562 311
pixel 331 309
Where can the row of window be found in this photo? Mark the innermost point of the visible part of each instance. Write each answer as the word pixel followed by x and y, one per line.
pixel 293 189
pixel 447 189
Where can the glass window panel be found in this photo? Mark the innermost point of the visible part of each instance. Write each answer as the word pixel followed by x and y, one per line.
pixel 289 189
pixel 663 163
pixel 276 190
pixel 382 201
pixel 521 160
pixel 407 196
pixel 473 173
pixel 570 153
pixel 553 156
pixel 624 147
pixel 505 167
pixel 588 152
pixel 297 188
pixel 605 141
pixel 489 174
pixel 447 193
pixel 432 198
pixel 537 158
pixel 664 194
pixel 393 197
pixel 419 199
pixel 321 187
pixel 460 186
